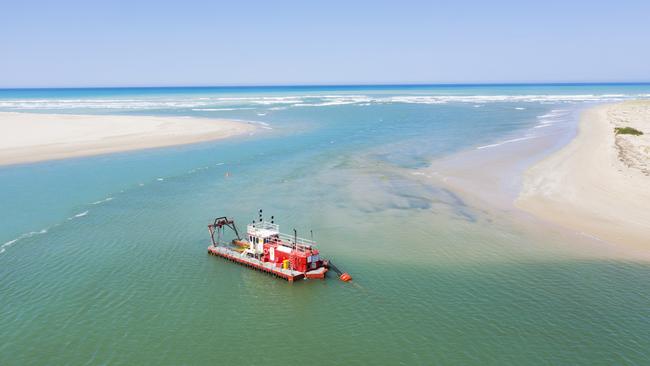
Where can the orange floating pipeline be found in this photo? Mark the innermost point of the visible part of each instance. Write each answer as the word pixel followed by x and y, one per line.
pixel 345 277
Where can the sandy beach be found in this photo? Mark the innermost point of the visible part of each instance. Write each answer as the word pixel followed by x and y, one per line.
pixel 599 184
pixel 30 138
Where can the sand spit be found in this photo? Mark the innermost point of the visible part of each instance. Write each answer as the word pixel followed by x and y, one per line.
pixel 598 184
pixel 31 137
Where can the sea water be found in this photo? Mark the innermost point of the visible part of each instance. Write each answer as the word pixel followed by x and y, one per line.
pixel 103 259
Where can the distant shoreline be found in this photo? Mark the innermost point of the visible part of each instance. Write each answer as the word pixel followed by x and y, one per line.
pixel 598 184
pixel 33 137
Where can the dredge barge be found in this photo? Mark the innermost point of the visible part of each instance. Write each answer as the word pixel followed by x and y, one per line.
pixel 268 250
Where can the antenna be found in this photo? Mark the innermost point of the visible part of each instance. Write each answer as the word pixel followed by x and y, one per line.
pixel 295 237
pixel 311 232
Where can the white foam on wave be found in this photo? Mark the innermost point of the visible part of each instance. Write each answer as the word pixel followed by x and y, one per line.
pixel 102 201
pixel 264 125
pixel 506 142
pixel 283 102
pixel 552 117
pixel 324 104
pixel 21 237
pixel 548 121
pixel 81 214
pixel 94 103
pixel 553 114
pixel 520 108
pixel 334 100
pixel 528 98
pixel 218 109
pixel 160 179
pixel 414 100
pixel 269 101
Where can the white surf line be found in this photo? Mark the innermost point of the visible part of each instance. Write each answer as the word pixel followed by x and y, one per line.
pixel 81 214
pixel 21 237
pixel 219 109
pixel 76 216
pixel 545 120
pixel 245 103
pixel 41 232
pixel 505 142
pixel 44 231
pixel 263 125
pixel 102 201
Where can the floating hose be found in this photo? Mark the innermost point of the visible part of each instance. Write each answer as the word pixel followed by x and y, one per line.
pixel 343 276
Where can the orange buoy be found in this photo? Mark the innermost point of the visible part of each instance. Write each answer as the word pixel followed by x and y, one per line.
pixel 345 277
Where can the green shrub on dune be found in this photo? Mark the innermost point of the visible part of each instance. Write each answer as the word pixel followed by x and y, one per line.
pixel 627 131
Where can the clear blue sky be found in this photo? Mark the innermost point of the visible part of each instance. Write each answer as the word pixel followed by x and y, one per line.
pixel 138 43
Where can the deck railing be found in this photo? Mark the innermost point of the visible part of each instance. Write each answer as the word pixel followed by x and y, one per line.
pixel 262 225
pixel 301 243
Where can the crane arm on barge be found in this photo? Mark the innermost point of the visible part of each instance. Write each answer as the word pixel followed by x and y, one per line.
pixel 218 227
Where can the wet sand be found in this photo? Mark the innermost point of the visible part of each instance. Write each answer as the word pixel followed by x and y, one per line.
pixel 570 183
pixel 30 137
pixel 598 184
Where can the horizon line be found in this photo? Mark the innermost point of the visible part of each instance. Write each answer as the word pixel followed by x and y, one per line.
pixel 307 85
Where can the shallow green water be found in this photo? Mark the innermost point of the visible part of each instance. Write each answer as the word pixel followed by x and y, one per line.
pixel 127 280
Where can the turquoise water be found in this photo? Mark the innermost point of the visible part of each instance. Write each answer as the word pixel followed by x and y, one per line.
pixel 104 258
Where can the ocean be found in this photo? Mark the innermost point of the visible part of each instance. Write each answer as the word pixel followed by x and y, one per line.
pixel 103 259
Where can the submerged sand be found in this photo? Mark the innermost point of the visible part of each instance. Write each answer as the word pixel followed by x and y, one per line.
pixel 28 137
pixel 599 183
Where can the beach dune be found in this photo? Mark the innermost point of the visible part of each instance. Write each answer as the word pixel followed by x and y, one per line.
pixel 30 137
pixel 599 184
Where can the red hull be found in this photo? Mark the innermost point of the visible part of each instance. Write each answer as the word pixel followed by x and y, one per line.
pixel 267 267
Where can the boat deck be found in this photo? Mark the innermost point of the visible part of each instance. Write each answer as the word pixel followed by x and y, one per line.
pixel 287 274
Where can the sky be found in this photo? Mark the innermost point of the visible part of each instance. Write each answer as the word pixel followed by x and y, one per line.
pixel 88 43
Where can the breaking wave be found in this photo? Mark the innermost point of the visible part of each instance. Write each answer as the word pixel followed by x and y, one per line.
pixel 219 109
pixel 505 142
pixel 545 120
pixel 283 102
pixel 102 201
pixel 21 237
